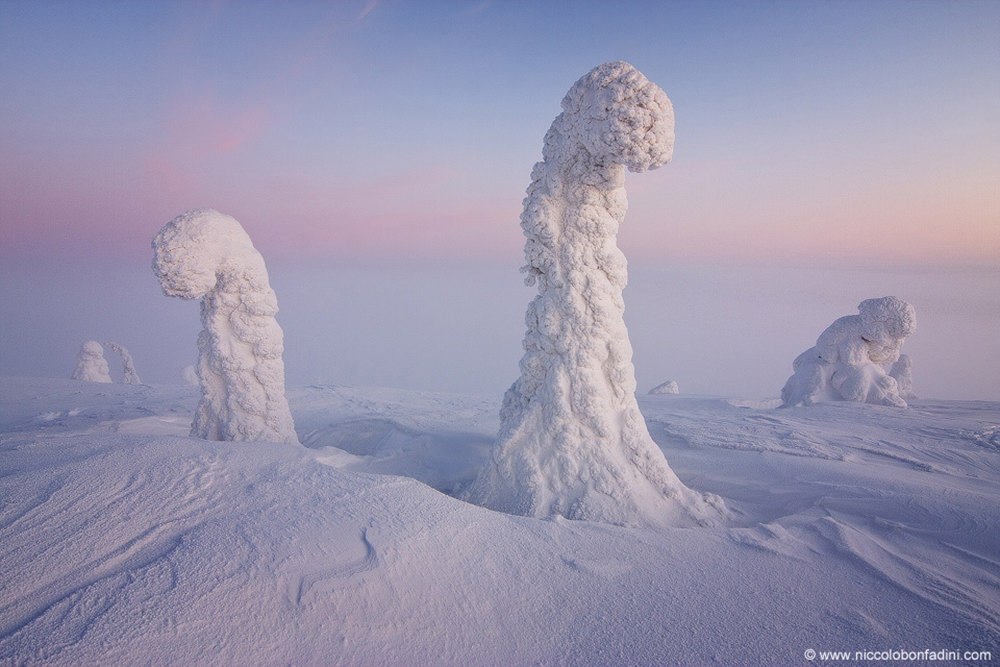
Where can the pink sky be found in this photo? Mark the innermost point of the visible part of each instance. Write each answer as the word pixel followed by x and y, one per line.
pixel 829 133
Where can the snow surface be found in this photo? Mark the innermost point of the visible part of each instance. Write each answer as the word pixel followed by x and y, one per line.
pixel 207 255
pixel 91 366
pixel 124 541
pixel 853 358
pixel 571 441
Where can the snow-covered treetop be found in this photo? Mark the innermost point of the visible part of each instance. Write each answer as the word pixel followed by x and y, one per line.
pixel 887 316
pixel 201 247
pixel 620 117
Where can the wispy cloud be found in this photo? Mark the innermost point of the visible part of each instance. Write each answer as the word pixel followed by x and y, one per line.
pixel 368 9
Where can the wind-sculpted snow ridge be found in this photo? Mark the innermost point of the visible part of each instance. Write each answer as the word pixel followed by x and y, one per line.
pixel 204 254
pixel 129 374
pixel 91 366
pixel 572 441
pixel 853 358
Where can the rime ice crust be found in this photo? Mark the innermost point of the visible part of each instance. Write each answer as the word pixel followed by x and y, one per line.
pixel 572 441
pixel 90 364
pixel 204 254
pixel 857 358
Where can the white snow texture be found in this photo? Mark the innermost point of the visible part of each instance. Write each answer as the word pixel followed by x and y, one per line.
pixel 853 359
pixel 207 255
pixel 129 374
pixel 572 441
pixel 90 363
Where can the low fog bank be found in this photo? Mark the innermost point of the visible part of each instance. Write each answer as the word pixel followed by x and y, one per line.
pixel 715 330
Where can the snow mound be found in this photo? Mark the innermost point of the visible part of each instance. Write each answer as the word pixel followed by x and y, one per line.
pixel 853 358
pixel 207 255
pixel 668 387
pixel 91 365
pixel 572 442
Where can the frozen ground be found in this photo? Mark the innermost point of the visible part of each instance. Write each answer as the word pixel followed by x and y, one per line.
pixel 123 541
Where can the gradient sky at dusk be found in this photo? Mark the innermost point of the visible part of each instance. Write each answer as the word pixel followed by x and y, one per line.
pixel 826 133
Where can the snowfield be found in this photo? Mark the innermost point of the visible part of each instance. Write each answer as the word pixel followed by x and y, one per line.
pixel 123 541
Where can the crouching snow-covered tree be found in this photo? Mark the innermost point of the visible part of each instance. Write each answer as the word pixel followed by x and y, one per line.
pixel 90 363
pixel 129 374
pixel 572 441
pixel 204 254
pixel 852 360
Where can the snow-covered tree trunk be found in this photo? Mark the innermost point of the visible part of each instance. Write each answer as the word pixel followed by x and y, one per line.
pixel 572 441
pixel 204 254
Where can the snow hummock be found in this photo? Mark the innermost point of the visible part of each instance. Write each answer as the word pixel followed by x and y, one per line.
pixel 207 255
pixel 853 358
pixel 572 442
pixel 668 387
pixel 129 374
pixel 124 541
pixel 91 366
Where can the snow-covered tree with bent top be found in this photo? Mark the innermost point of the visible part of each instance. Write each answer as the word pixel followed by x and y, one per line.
pixel 207 255
pixel 572 441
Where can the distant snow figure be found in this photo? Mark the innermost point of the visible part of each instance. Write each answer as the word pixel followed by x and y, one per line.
pixel 129 375
pixel 902 373
pixel 90 364
pixel 668 387
pixel 204 254
pixel 572 441
pixel 189 376
pixel 852 359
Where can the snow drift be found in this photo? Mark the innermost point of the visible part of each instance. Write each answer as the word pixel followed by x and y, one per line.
pixel 207 255
pixel 572 441
pixel 853 358
pixel 91 366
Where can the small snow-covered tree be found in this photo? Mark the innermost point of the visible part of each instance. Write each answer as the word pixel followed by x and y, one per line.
pixel 572 441
pixel 189 376
pixel 853 357
pixel 207 255
pixel 90 363
pixel 129 375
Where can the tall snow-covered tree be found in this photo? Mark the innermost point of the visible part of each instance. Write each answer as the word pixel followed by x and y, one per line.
pixel 572 441
pixel 207 255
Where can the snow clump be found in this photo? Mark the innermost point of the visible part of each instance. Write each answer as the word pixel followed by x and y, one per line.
pixel 853 359
pixel 129 374
pixel 572 441
pixel 207 255
pixel 90 364
pixel 668 387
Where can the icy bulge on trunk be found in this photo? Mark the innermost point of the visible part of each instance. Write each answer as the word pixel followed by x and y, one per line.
pixel 572 441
